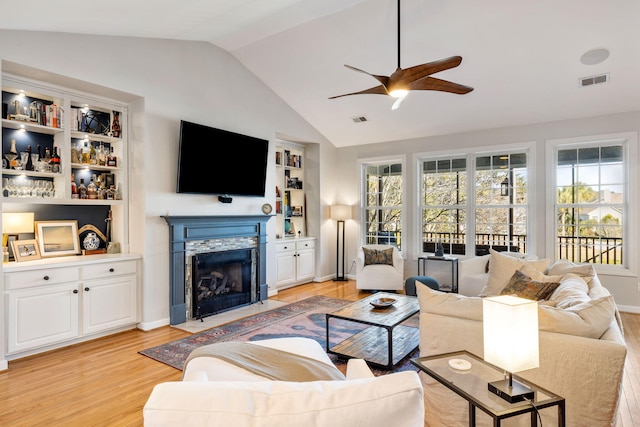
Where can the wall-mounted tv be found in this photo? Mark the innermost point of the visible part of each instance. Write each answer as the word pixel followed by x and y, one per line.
pixel 216 161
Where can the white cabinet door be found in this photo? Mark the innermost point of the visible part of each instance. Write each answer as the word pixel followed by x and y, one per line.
pixel 306 264
pixel 108 303
pixel 286 268
pixel 42 316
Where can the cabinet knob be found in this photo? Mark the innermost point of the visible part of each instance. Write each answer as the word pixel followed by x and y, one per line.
pixel 286 247
pixel 111 270
pixel 46 278
pixel 75 291
pixel 86 289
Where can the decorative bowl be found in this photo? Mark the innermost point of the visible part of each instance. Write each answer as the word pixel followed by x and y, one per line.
pixel 383 302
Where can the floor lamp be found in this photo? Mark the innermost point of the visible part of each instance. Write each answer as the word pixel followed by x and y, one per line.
pixel 340 213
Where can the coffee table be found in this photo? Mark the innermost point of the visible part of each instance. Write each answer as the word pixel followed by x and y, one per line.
pixel 386 340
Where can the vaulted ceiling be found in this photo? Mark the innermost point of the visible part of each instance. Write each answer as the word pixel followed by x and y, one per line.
pixel 522 57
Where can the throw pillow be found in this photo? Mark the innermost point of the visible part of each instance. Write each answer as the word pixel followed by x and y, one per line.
pixel 523 286
pixel 563 266
pixel 538 276
pixel 378 256
pixel 502 267
pixel 573 290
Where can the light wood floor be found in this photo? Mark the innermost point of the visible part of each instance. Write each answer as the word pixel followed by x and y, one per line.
pixel 106 382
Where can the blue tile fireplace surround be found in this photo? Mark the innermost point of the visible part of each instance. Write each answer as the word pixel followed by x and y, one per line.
pixel 193 235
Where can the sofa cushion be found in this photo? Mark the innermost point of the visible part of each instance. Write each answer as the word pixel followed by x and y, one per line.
pixel 563 266
pixel 449 304
pixel 378 256
pixel 590 319
pixel 573 290
pixel 394 399
pixel 524 286
pixel 502 267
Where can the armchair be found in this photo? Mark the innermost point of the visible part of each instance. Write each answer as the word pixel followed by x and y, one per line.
pixel 379 267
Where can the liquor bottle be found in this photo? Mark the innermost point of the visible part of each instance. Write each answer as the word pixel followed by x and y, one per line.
pixel 12 155
pixel 82 189
pixel 111 193
pixel 115 127
pixel 39 163
pixel 55 161
pixel 47 160
pixel 111 159
pixel 74 188
pixel 93 156
pixel 86 153
pixel 29 165
pixel 102 155
pixel 92 189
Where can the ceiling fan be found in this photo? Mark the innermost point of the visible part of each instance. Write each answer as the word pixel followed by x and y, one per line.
pixel 402 81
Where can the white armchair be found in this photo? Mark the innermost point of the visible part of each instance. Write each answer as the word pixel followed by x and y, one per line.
pixel 382 276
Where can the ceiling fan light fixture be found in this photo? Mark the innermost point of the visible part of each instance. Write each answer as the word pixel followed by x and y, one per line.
pixel 399 93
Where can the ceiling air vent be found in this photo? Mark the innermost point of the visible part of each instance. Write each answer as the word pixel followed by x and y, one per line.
pixel 593 80
pixel 359 119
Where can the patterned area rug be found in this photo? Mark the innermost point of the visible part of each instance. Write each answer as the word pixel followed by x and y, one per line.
pixel 304 318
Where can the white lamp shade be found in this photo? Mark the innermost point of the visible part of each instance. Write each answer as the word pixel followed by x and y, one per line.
pixel 341 212
pixel 17 222
pixel 510 327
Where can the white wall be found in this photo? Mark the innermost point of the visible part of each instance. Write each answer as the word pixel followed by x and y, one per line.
pixel 176 80
pixel 624 288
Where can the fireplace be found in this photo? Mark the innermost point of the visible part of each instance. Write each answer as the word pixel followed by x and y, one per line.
pixel 231 246
pixel 221 281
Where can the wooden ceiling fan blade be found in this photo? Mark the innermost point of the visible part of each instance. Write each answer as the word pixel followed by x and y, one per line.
pixel 418 72
pixel 431 83
pixel 377 90
pixel 382 79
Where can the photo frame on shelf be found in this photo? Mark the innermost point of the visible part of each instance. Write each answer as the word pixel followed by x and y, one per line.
pixel 25 250
pixel 57 238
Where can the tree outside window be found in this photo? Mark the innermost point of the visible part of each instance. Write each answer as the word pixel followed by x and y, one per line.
pixel 499 190
pixel 383 203
pixel 590 203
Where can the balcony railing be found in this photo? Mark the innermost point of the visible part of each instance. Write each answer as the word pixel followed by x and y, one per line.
pixel 595 250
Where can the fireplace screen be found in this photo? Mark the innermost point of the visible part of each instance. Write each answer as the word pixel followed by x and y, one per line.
pixel 221 281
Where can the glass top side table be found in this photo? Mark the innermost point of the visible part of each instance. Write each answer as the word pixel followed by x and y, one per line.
pixel 472 386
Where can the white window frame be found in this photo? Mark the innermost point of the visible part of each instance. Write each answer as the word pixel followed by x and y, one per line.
pixel 629 140
pixel 471 154
pixel 377 161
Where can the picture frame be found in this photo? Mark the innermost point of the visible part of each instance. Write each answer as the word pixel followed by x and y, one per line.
pixel 25 250
pixel 57 238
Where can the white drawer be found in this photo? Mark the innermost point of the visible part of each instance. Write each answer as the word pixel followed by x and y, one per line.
pixel 286 246
pixel 305 244
pixel 107 269
pixel 40 277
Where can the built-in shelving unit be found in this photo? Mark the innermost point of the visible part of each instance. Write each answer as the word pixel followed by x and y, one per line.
pixel 295 250
pixel 55 301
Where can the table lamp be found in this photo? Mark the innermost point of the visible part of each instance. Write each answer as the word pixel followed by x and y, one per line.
pixel 510 327
pixel 14 223
pixel 340 213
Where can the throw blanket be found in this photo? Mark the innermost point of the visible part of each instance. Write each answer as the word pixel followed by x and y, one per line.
pixel 268 362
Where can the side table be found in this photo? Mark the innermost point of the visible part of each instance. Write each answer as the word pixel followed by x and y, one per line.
pixel 471 385
pixel 447 284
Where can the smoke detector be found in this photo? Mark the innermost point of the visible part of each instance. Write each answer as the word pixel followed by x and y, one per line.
pixel 593 80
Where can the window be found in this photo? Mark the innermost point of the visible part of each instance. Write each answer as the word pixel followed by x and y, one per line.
pixel 501 203
pixel 591 202
pixel 495 207
pixel 382 203
pixel 444 204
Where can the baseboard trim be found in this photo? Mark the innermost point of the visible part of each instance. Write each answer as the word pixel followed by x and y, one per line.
pixel 629 308
pixel 147 326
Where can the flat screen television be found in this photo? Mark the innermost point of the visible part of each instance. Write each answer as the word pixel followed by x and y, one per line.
pixel 216 161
